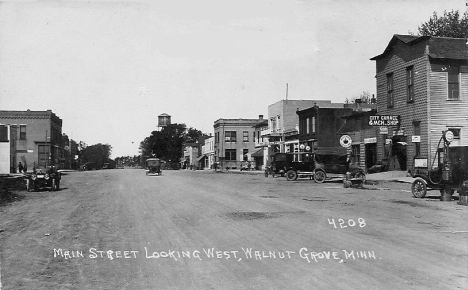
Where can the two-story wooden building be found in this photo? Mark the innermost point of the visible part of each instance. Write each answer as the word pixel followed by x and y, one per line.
pixel 424 81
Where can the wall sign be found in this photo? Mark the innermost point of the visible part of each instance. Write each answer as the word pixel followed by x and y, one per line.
pixel 370 140
pixel 345 141
pixel 384 120
pixel 416 139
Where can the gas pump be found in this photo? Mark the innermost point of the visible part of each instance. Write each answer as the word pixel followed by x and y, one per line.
pixel 445 166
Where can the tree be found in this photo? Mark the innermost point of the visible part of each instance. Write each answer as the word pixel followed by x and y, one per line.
pixel 167 143
pixel 451 24
pixel 98 154
pixel 365 98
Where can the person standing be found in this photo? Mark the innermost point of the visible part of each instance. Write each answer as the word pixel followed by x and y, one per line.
pixel 20 167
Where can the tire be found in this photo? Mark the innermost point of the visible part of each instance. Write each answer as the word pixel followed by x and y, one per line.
pixel 360 175
pixel 291 175
pixel 419 188
pixel 53 184
pixel 319 176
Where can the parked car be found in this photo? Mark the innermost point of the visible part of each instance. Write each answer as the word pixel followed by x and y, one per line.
pixel 314 165
pixel 47 176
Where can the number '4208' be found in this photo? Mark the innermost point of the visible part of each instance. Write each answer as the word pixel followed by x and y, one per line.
pixel 347 223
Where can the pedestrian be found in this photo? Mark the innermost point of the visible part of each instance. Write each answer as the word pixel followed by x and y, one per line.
pixel 20 167
pixel 249 165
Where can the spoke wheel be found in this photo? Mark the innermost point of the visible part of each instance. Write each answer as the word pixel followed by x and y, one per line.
pixel 419 188
pixel 291 175
pixel 319 176
pixel 360 175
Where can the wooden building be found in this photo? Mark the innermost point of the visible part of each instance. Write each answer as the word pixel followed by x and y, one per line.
pixel 424 81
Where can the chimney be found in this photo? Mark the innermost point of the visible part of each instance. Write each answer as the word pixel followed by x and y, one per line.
pixel 260 117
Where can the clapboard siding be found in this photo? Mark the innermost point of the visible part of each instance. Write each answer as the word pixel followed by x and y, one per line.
pixel 445 113
pixel 409 112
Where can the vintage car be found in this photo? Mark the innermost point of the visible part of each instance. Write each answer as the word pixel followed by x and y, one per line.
pixel 47 176
pixel 153 166
pixel 316 165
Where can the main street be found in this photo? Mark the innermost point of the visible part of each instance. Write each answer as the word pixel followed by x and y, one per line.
pixel 121 229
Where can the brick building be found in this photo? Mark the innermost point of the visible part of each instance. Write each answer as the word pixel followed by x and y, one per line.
pixel 424 80
pixel 319 127
pixel 234 141
pixel 38 138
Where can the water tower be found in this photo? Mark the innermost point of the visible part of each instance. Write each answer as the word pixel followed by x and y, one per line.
pixel 164 120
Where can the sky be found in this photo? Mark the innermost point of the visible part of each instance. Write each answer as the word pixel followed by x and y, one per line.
pixel 109 68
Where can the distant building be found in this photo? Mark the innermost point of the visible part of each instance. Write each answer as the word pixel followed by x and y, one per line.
pixel 283 123
pixel 208 157
pixel 38 138
pixel 234 141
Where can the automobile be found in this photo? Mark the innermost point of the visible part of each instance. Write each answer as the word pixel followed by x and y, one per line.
pixel 89 166
pixel 153 166
pixel 46 176
pixel 318 166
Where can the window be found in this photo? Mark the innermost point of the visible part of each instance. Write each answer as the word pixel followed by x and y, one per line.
pixel 410 83
pixel 245 136
pixel 22 132
pixel 273 125
pixel 230 136
pixel 390 100
pixel 307 125
pixel 244 154
pixel 417 132
pixel 217 137
pixel 43 154
pixel 313 124
pixel 230 154
pixel 253 136
pixel 456 133
pixel 356 154
pixel 453 82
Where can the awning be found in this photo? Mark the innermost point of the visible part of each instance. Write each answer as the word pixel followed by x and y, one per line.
pixel 201 157
pixel 258 153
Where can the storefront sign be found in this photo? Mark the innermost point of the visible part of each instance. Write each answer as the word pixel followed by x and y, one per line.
pixel 416 139
pixel 383 130
pixel 370 140
pixel 384 120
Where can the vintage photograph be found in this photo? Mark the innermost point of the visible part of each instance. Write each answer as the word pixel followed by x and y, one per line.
pixel 221 144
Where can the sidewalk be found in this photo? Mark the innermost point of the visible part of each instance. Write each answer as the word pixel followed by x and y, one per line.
pixel 391 176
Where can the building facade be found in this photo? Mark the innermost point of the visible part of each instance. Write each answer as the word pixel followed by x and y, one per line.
pixel 423 81
pixel 283 123
pixel 38 138
pixel 234 140
pixel 8 162
pixel 319 128
pixel 208 153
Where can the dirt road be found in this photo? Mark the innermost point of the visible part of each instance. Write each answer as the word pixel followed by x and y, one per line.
pixel 120 229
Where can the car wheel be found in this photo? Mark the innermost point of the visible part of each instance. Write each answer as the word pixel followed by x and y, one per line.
pixel 360 175
pixel 419 188
pixel 52 185
pixel 57 185
pixel 291 175
pixel 319 176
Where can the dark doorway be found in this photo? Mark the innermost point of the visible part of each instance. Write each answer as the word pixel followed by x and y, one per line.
pixel 371 155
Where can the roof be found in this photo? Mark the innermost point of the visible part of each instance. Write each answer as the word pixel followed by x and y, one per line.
pixel 438 47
